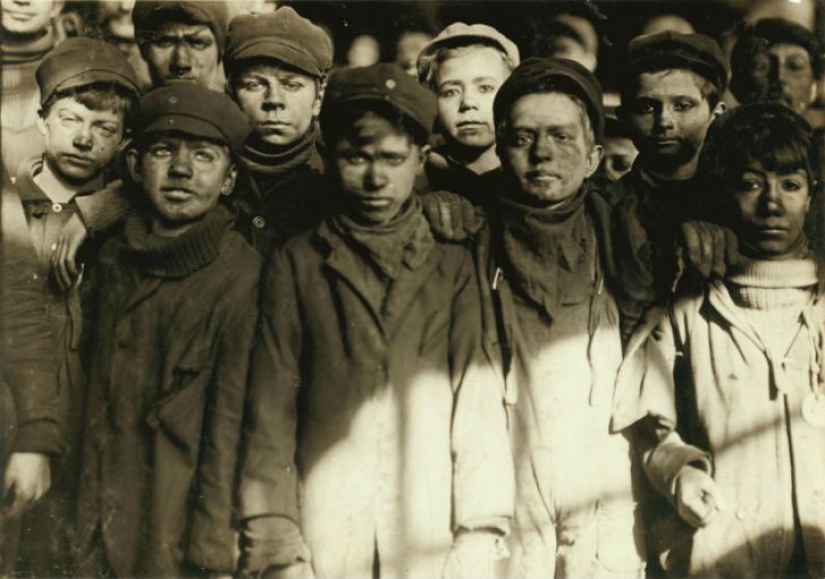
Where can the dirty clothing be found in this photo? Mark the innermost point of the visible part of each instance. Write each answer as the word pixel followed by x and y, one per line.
pixel 730 380
pixel 283 193
pixel 445 174
pixel 648 215
pixel 560 350
pixel 166 394
pixel 32 222
pixel 377 389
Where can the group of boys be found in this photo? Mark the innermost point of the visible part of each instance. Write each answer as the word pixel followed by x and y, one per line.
pixel 466 361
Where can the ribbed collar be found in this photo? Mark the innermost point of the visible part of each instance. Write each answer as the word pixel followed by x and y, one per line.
pixel 270 160
pixel 176 257
pixel 405 241
pixel 13 51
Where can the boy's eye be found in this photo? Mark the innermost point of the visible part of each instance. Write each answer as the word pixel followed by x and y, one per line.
pixel 69 121
pixel 562 137
pixel 448 92
pixel 643 108
pixel 106 130
pixel 292 85
pixel 199 43
pixel 522 139
pixel 791 185
pixel 487 88
pixel 394 160
pixel 682 106
pixel 796 64
pixel 355 159
pixel 163 41
pixel 750 185
pixel 252 84
pixel 160 151
pixel 204 156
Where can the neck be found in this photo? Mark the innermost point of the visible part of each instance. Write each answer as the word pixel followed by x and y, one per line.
pixel 162 228
pixel 14 39
pixel 477 160
pixel 56 187
pixel 679 173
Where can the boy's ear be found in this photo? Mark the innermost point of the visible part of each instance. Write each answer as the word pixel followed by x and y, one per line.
pixel 41 122
pixel 319 97
pixel 720 108
pixel 133 164
pixel 228 185
pixel 594 159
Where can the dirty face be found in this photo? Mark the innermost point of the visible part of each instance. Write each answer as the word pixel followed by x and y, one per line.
pixel 548 147
pixel 784 74
pixel 668 117
pixel 182 52
pixel 376 165
pixel 769 210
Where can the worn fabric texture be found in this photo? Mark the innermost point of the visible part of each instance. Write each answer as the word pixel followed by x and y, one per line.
pixel 166 396
pixel 711 384
pixel 402 438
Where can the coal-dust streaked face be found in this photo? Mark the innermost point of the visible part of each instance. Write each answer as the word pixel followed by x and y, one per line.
pixel 183 177
pixel 182 52
pixel 769 210
pixel 377 165
pixel 548 147
pixel 80 142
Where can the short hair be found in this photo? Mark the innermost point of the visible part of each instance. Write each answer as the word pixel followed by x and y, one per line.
pixel 768 133
pixel 547 87
pixel 761 36
pixel 341 125
pixel 707 88
pixel 96 97
pixel 428 64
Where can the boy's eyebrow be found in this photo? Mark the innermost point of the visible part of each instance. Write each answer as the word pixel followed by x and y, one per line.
pixel 474 80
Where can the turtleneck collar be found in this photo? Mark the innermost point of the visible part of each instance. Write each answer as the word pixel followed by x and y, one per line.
pixel 405 241
pixel 271 160
pixel 26 49
pixel 176 257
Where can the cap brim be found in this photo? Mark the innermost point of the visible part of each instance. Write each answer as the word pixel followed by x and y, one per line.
pixel 273 49
pixel 187 125
pixel 95 76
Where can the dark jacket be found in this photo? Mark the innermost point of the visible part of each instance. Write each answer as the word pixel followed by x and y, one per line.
pixel 166 399
pixel 401 434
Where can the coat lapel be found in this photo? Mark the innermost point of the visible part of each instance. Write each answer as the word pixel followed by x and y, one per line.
pixel 405 289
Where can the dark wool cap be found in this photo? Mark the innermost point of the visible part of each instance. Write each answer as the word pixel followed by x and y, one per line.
pixel 281 35
pixel 696 52
pixel 82 61
pixel 760 36
pixel 149 15
pixel 187 108
pixel 548 74
pixel 380 83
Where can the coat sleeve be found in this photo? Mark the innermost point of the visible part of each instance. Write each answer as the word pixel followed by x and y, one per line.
pixel 105 208
pixel 269 479
pixel 483 473
pixel 29 369
pixel 646 398
pixel 213 543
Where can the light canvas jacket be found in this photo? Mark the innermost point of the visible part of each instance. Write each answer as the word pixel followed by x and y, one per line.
pixel 714 398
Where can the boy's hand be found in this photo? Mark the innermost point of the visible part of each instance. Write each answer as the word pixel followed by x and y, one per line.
pixel 698 498
pixel 711 248
pixel 64 252
pixel 26 480
pixel 451 216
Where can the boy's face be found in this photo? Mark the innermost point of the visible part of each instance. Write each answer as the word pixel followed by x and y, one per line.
pixel 183 177
pixel 783 74
pixel 378 171
pixel 467 86
pixel 668 117
pixel 279 102
pixel 182 52
pixel 546 147
pixel 28 17
pixel 619 154
pixel 80 142
pixel 769 210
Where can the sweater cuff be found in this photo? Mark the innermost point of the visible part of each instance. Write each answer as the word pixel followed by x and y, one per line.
pixel 41 436
pixel 103 209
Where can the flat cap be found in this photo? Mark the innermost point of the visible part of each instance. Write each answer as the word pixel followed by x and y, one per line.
pixel 379 83
pixel 281 35
pixel 82 61
pixel 460 34
pixel 149 15
pixel 665 50
pixel 191 109
pixel 548 74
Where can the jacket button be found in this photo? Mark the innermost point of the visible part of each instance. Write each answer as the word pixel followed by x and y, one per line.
pixel 57 207
pixel 258 222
